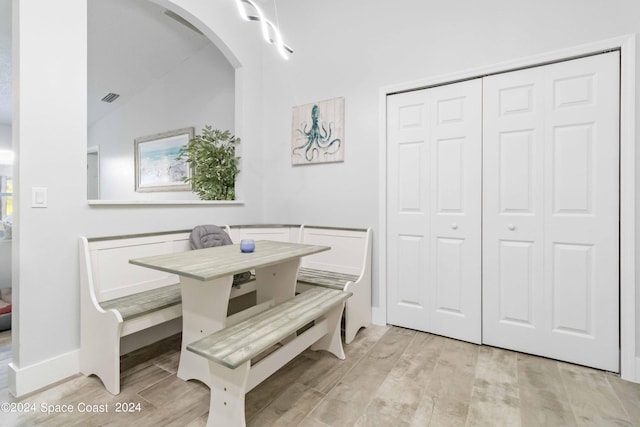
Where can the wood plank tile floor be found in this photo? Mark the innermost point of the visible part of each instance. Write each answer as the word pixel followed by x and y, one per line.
pixel 391 377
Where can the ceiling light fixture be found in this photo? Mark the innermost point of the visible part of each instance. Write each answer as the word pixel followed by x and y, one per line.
pixel 270 32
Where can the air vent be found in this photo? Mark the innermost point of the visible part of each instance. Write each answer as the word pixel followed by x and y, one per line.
pixel 110 97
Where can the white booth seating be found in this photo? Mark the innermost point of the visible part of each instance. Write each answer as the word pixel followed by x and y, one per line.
pixel 119 299
pixel 346 267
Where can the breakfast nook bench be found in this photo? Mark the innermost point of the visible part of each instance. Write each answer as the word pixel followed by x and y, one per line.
pixel 229 351
pixel 347 266
pixel 118 299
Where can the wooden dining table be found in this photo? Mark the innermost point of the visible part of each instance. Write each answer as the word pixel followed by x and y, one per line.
pixel 206 278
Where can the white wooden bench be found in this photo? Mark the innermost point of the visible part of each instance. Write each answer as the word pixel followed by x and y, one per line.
pixel 347 266
pixel 118 299
pixel 230 351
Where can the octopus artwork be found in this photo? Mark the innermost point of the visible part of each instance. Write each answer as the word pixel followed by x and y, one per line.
pixel 319 138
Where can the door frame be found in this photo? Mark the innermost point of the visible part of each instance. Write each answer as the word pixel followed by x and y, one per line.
pixel 629 361
pixel 95 149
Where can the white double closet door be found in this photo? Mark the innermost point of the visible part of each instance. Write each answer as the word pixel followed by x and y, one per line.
pixel 503 210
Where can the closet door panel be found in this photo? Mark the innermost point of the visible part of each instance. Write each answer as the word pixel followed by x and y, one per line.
pixel 434 208
pixel 512 200
pixel 566 174
pixel 454 269
pixel 407 210
pixel 516 281
pixel 582 221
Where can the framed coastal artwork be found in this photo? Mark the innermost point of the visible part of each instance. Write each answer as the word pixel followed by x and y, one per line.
pixel 318 132
pixel 157 167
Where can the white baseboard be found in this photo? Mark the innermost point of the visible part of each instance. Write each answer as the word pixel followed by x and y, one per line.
pixel 31 378
pixel 636 375
pixel 378 316
pixel 631 371
pixel 25 380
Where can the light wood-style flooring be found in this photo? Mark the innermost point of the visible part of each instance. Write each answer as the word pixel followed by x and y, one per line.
pixel 391 377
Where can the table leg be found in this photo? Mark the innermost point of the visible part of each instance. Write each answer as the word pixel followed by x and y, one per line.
pixel 204 311
pixel 277 282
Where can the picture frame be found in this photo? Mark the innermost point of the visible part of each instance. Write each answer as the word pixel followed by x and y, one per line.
pixel 156 165
pixel 317 132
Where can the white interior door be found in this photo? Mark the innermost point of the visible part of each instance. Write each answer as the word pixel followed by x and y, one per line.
pixel 551 210
pixel 434 210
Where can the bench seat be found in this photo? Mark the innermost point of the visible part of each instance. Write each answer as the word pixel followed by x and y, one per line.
pixel 326 279
pixel 230 351
pixel 136 305
pixel 235 345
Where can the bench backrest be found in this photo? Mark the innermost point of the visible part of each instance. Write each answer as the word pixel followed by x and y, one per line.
pixel 107 262
pixel 349 249
pixel 278 233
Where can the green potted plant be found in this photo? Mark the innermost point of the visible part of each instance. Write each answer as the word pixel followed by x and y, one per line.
pixel 213 163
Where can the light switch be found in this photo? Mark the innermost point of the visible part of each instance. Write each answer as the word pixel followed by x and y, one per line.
pixel 38 197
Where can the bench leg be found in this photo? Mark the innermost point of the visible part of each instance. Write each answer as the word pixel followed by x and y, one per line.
pixel 100 348
pixel 353 320
pixel 332 341
pixel 358 310
pixel 228 388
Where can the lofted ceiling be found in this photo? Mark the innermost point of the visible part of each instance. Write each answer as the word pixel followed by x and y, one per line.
pixel 130 43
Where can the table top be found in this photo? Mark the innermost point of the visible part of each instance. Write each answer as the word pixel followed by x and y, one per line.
pixel 219 261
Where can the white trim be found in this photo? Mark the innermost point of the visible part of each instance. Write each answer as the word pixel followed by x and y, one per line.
pixel 164 202
pixel 42 374
pixel 628 316
pixel 94 149
pixel 629 365
pixel 502 67
pixel 379 312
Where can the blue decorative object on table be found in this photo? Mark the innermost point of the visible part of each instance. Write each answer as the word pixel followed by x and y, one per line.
pixel 247 245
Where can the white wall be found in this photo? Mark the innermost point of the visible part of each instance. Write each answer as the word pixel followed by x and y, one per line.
pixel 51 123
pixel 5 136
pixel 355 48
pixel 198 92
